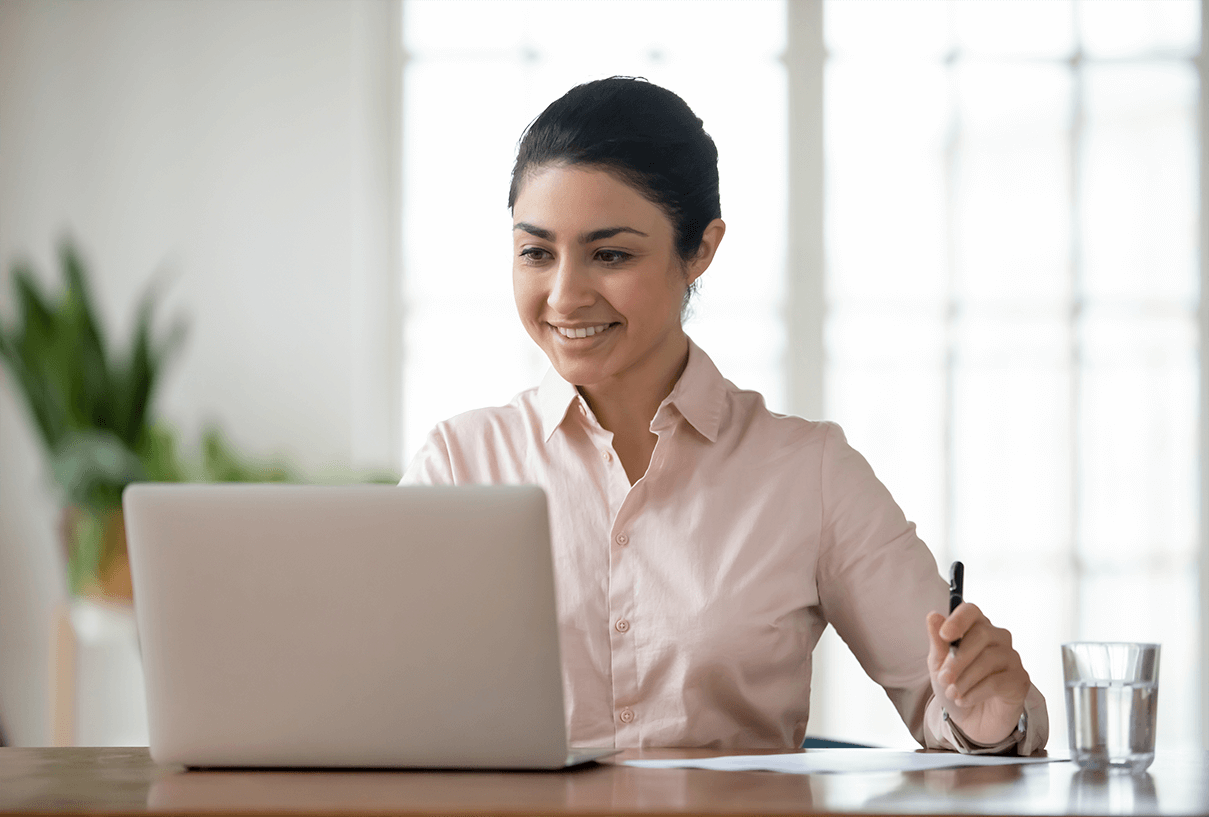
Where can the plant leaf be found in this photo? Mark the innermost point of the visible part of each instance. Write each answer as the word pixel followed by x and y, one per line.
pixel 32 351
pixel 86 549
pixel 93 400
pixel 222 463
pixel 93 467
pixel 148 356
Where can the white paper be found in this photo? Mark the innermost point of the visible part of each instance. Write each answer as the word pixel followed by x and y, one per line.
pixel 830 761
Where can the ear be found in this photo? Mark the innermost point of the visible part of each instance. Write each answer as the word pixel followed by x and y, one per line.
pixel 710 240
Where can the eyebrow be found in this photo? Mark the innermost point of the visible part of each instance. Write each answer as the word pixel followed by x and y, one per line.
pixel 586 238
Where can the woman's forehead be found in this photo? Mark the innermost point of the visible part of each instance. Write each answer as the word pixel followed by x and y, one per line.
pixel 559 199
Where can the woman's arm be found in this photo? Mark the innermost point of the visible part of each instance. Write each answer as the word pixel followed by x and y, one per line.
pixel 432 464
pixel 878 585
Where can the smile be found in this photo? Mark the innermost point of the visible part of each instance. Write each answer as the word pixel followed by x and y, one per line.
pixel 582 331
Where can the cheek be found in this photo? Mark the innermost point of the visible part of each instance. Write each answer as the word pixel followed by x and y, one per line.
pixel 652 294
pixel 525 293
pixel 519 289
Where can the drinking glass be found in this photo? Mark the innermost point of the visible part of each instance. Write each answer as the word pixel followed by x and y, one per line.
pixel 1112 695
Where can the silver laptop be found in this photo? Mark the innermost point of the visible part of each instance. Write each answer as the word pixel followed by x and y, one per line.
pixel 366 626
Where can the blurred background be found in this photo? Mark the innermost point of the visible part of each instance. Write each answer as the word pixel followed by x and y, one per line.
pixel 969 232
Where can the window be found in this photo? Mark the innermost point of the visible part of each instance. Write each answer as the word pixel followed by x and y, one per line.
pixel 1012 292
pixel 469 92
pixel 1011 214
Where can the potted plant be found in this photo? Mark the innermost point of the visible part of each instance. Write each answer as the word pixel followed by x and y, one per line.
pixel 92 409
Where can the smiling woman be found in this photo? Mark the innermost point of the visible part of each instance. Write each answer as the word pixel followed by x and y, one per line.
pixel 615 201
pixel 701 542
pixel 604 302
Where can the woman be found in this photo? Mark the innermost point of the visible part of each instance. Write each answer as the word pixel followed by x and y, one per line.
pixel 701 543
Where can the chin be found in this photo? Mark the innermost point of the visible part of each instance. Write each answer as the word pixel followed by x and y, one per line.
pixel 577 375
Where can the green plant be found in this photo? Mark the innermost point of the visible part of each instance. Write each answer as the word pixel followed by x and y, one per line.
pixel 93 411
pixel 91 407
pixel 220 462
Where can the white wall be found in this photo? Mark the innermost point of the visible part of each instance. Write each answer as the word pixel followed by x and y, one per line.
pixel 246 150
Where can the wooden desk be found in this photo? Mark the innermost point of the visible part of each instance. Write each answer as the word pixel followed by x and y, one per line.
pixel 125 781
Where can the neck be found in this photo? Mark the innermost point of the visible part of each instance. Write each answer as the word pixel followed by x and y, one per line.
pixel 626 404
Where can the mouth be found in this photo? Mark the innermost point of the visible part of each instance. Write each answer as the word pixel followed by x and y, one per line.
pixel 578 332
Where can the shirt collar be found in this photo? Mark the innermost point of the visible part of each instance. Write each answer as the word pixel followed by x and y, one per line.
pixel 555 397
pixel 699 396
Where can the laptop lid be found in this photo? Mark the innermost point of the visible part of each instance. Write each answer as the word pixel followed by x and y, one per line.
pixel 347 626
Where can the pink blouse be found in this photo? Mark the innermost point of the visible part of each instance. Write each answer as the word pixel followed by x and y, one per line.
pixel 689 603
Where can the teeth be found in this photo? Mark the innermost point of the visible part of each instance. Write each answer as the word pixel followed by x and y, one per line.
pixel 583 332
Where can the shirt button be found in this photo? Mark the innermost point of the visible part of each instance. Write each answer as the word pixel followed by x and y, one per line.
pixel 622 539
pixel 622 625
pixel 608 455
pixel 627 715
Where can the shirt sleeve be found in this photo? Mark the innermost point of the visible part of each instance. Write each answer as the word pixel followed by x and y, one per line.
pixel 432 464
pixel 877 582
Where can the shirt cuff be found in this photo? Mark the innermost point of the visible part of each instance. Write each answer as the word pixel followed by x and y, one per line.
pixel 1031 739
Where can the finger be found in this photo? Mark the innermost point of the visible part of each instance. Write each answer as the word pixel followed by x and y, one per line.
pixel 976 640
pixel 938 648
pixel 988 664
pixel 960 620
pixel 1008 685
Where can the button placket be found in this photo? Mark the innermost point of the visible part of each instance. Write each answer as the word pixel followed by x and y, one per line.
pixel 623 657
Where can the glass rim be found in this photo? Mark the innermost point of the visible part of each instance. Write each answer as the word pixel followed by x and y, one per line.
pixel 1145 644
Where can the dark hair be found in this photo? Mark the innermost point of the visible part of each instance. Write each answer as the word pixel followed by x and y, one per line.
pixel 646 135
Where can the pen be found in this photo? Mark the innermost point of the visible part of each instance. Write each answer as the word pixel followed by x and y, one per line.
pixel 957 574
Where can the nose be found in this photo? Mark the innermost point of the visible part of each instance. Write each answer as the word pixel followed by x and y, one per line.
pixel 571 288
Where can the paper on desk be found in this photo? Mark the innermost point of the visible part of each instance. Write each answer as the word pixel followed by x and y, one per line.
pixel 826 761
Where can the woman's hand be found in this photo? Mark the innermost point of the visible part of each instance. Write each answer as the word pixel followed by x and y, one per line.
pixel 982 685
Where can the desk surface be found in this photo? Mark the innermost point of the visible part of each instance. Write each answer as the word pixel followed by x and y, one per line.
pixel 125 781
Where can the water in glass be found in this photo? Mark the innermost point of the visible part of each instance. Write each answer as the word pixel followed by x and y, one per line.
pixel 1112 724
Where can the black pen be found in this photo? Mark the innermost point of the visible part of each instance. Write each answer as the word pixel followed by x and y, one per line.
pixel 957 574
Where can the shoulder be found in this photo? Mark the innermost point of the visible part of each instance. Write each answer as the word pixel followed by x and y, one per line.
pixel 738 418
pixel 748 418
pixel 492 421
pixel 478 445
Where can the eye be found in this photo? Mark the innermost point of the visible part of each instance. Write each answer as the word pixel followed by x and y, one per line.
pixel 613 257
pixel 534 255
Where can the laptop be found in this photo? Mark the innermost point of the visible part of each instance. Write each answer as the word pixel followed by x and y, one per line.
pixel 357 626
